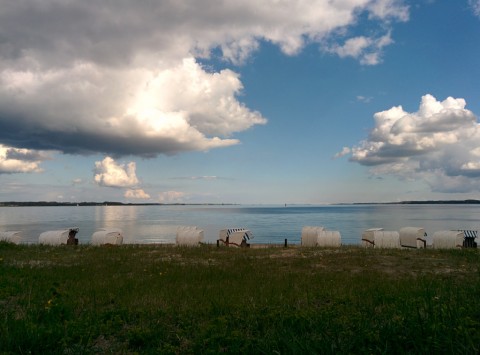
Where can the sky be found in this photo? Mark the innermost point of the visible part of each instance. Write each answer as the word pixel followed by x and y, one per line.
pixel 249 102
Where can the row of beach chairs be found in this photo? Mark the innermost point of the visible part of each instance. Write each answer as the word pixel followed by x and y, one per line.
pixel 415 238
pixel 68 236
pixel 318 236
pixel 231 237
pixel 312 236
pixel 405 238
pixel 408 237
pixel 186 235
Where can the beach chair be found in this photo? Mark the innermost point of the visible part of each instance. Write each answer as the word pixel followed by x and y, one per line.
pixel 310 235
pixel 235 237
pixel 14 237
pixel 107 236
pixel 413 237
pixel 469 237
pixel 386 239
pixel 331 239
pixel 58 237
pixel 368 240
pixel 189 236
pixel 448 239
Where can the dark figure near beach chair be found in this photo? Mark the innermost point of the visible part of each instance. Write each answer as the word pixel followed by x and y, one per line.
pixel 71 238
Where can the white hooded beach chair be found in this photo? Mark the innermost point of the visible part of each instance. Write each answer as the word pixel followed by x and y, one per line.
pixel 310 235
pixel 57 237
pixel 189 236
pixel 448 239
pixel 107 236
pixel 386 239
pixel 413 237
pixel 14 237
pixel 331 239
pixel 368 240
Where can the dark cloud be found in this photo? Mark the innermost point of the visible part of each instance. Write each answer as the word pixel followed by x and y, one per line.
pixel 13 160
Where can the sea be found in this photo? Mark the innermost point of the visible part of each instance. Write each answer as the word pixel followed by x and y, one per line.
pixel 268 224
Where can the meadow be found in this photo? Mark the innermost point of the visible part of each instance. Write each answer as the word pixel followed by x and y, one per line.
pixel 178 300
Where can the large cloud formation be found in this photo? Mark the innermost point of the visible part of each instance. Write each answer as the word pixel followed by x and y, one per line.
pixel 440 144
pixel 124 78
pixel 13 160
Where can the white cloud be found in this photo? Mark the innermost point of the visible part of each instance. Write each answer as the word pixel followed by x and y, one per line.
pixel 345 151
pixel 171 197
pixel 368 50
pixel 111 174
pixel 14 160
pixel 389 9
pixel 207 178
pixel 440 144
pixel 159 113
pixel 364 99
pixel 475 5
pixel 125 79
pixel 136 194
pixel 206 105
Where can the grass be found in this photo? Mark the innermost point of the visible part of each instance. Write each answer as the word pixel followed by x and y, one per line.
pixel 164 299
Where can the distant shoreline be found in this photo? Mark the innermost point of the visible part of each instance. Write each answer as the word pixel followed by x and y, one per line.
pixel 106 203
pixel 428 202
pixel 114 203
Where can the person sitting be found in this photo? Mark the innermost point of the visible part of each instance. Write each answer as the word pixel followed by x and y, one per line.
pixel 71 238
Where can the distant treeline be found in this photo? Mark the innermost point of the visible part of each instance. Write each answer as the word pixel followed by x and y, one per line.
pixel 428 202
pixel 442 202
pixel 113 203
pixel 106 203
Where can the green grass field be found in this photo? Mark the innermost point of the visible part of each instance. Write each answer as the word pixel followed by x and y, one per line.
pixel 165 299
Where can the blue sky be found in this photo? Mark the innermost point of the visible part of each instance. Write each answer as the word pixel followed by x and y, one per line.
pixel 227 102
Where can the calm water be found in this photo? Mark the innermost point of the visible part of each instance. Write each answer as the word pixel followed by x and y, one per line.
pixel 269 224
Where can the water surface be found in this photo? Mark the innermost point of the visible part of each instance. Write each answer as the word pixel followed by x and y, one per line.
pixel 269 224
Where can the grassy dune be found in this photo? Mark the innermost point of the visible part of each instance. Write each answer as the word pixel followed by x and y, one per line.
pixel 164 299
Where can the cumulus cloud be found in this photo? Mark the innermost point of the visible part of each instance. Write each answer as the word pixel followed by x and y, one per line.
pixel 164 115
pixel 125 79
pixel 171 197
pixel 136 194
pixel 111 174
pixel 438 144
pixel 14 160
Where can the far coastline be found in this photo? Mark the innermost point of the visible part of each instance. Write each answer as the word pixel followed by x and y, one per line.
pixel 116 203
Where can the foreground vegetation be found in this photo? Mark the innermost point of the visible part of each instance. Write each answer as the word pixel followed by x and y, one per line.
pixel 164 299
